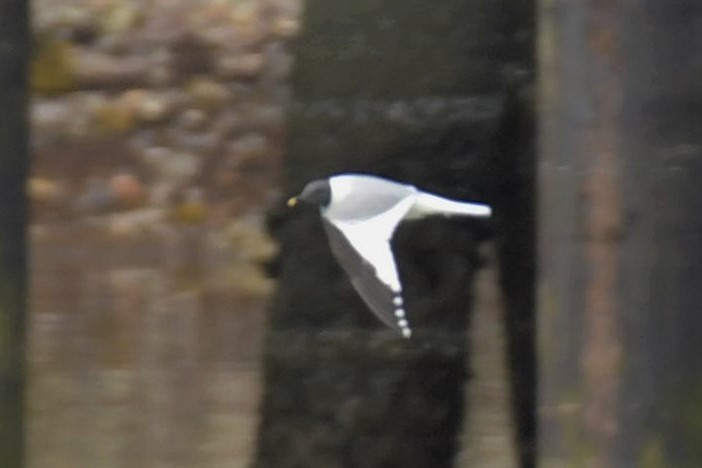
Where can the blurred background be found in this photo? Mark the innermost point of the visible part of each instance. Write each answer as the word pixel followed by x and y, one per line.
pixel 179 315
pixel 158 135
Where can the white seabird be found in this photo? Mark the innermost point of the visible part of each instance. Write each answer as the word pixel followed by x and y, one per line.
pixel 360 213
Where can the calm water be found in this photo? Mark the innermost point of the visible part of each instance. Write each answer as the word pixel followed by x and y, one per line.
pixel 143 356
pixel 136 358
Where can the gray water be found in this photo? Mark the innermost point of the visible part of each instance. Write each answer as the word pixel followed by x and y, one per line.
pixel 142 356
pixel 135 359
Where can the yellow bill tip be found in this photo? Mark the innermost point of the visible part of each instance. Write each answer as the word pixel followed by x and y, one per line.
pixel 292 202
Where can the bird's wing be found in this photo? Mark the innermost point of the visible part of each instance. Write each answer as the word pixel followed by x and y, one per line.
pixel 363 250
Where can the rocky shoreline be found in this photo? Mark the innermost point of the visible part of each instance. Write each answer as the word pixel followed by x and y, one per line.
pixel 145 105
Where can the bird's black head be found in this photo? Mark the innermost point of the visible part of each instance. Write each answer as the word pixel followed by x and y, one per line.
pixel 317 192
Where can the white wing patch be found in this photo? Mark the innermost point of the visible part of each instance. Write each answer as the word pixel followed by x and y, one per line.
pixel 374 250
pixel 363 250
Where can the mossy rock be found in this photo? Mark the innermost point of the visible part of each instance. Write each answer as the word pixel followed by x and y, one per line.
pixel 115 118
pixel 52 65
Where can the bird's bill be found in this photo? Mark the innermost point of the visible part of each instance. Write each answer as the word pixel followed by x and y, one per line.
pixel 292 201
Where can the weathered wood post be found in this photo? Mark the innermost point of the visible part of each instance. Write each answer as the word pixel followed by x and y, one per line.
pixel 14 161
pixel 620 296
pixel 414 91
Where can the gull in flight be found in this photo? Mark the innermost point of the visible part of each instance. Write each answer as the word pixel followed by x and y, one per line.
pixel 360 213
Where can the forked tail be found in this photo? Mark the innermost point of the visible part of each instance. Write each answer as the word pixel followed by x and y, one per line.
pixel 427 204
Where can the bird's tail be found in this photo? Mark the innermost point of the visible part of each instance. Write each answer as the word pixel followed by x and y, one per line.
pixel 427 204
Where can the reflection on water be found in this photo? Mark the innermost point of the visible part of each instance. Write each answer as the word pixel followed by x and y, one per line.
pixel 138 356
pixel 487 439
pixel 145 353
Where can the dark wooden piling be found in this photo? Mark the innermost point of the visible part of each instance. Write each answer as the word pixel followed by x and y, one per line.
pixel 14 163
pixel 415 92
pixel 621 223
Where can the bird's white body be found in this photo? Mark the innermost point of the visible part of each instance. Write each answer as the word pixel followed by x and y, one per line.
pixel 360 219
pixel 422 204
